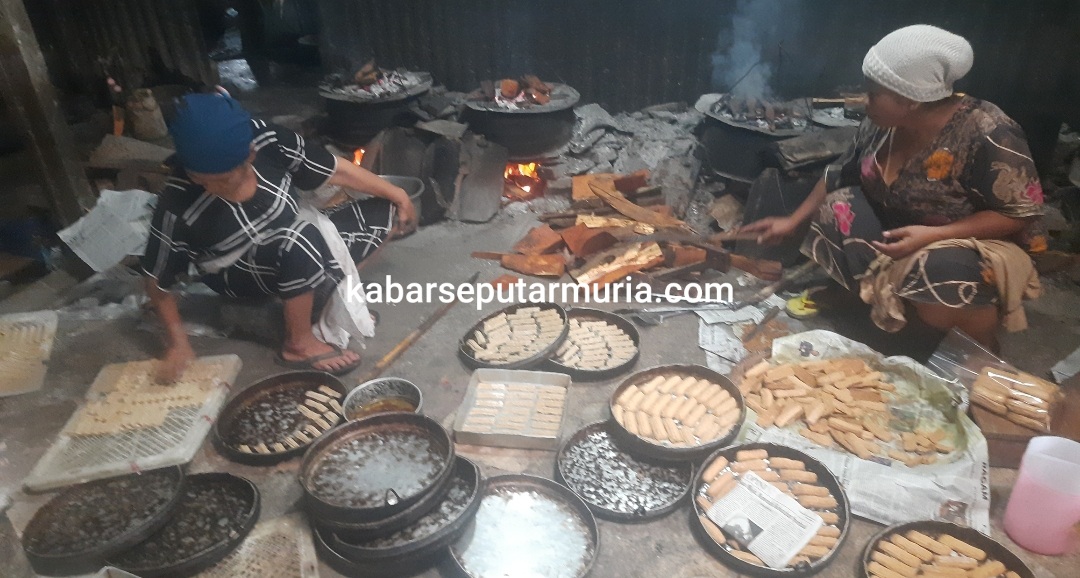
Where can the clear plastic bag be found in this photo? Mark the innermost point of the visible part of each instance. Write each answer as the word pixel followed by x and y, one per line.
pixel 994 385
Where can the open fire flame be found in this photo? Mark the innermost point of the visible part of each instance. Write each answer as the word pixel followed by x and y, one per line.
pixel 358 156
pixel 523 181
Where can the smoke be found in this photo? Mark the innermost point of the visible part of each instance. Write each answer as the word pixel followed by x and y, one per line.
pixel 753 35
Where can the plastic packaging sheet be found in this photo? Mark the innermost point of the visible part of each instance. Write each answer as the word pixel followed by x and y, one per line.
pixel 956 488
pixel 994 385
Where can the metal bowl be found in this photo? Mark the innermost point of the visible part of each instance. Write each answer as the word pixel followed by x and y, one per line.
pixel 381 389
pixel 392 475
pixel 825 479
pixel 993 548
pixel 638 445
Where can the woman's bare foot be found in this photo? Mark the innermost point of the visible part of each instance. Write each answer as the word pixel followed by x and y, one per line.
pixel 319 356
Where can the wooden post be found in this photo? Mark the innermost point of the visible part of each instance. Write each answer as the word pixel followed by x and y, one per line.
pixel 31 102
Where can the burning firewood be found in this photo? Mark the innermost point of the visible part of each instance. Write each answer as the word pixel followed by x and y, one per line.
pixel 509 88
pixel 531 81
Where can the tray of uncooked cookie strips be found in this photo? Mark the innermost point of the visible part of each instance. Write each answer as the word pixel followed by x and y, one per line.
pixel 127 423
pixel 512 409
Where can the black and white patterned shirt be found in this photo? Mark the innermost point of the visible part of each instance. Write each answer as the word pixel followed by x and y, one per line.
pixel 193 227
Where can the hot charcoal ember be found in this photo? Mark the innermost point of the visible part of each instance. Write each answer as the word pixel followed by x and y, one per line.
pixel 762 112
pixel 210 512
pixel 455 502
pixel 378 86
pixel 93 514
pixel 608 478
pixel 511 93
pixel 526 533
pixel 360 472
pixel 270 417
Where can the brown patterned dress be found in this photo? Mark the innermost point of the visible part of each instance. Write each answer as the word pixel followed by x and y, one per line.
pixel 978 162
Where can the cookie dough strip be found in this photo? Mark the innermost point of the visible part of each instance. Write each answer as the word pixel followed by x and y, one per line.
pixel 962 547
pixel 644 426
pixel 634 403
pixel 988 570
pixel 741 467
pixel 810 490
pixel 719 487
pixel 712 530
pixel 962 562
pixel 894 564
pixel 899 553
pixel 630 422
pixel 707 430
pixel 746 557
pixel 669 383
pixel 818 502
pixel 651 385
pixel 674 434
pixel 829 517
pixel 714 469
pixel 780 463
pixel 878 571
pixel 912 548
pixel 330 391
pixel 747 455
pixel 695 416
pixel 309 412
pixel 684 385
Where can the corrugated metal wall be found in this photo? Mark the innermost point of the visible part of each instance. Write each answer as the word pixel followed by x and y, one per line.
pixel 135 39
pixel 631 53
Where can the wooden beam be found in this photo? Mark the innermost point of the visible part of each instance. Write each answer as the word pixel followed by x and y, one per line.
pixel 31 101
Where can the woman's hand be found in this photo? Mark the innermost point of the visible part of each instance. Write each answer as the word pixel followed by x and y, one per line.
pixel 176 360
pixel 406 215
pixel 900 243
pixel 772 230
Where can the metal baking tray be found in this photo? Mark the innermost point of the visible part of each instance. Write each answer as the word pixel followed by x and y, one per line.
pixel 532 540
pixel 639 446
pixel 93 558
pixel 599 374
pixel 225 428
pixel 825 478
pixel 393 475
pixel 933 528
pixel 527 438
pixel 616 485
pixel 465 352
pixel 213 553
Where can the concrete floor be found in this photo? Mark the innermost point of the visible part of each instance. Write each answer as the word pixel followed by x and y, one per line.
pixel 663 547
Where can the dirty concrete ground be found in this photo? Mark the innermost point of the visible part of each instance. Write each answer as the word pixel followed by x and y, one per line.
pixel 664 547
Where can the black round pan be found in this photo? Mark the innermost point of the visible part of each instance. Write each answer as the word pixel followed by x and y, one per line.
pixel 275 390
pixel 933 528
pixel 199 561
pixel 435 531
pixel 93 558
pixel 465 352
pixel 408 457
pixel 648 449
pixel 578 374
pixel 825 478
pixel 608 492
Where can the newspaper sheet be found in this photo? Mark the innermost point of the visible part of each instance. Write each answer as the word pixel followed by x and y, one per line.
pixel 770 524
pixel 118 226
pixel 955 489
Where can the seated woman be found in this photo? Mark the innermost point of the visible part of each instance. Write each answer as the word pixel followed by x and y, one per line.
pixel 937 203
pixel 232 211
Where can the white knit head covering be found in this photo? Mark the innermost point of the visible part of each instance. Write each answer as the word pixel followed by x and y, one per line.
pixel 920 62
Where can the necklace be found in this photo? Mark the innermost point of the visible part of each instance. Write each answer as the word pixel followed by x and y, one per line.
pixel 888 153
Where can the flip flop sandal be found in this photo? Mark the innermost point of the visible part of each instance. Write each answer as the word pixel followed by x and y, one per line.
pixel 309 363
pixel 802 306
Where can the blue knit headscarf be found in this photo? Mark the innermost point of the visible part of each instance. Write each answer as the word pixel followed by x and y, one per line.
pixel 212 133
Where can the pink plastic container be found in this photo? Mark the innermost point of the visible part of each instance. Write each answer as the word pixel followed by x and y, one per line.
pixel 1043 514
